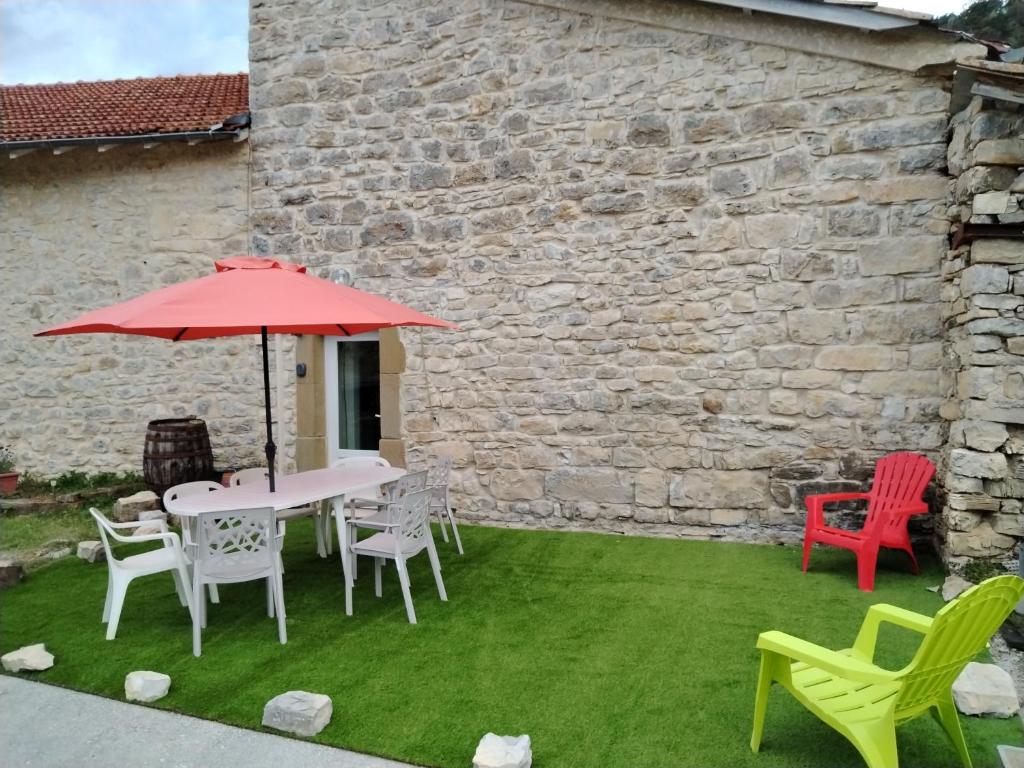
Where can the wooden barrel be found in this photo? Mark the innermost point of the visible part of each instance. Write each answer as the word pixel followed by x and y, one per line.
pixel 177 451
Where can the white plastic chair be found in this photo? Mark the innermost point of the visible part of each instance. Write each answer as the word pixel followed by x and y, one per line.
pixel 231 547
pixel 438 478
pixel 358 505
pixel 120 573
pixel 405 537
pixel 193 489
pixel 262 475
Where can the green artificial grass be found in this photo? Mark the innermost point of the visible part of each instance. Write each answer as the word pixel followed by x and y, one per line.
pixel 608 650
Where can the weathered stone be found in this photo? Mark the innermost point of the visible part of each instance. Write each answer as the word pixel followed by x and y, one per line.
pixel 1000 152
pixel 390 227
pixel 517 484
pixel 976 464
pixel 495 751
pixel 146 686
pixel 92 551
pixel 515 164
pixel 735 181
pixel 984 279
pixel 589 484
pixel 984 435
pixel 651 487
pixel 298 712
pixel 719 489
pixel 686 193
pixel 980 541
pixel 900 255
pixel 29 658
pixel 855 358
pixel 631 201
pixel 954 586
pixel 997 251
pixel 129 507
pixel 429 176
pixel 985 689
pixel 992 202
pixel 648 131
pixel 773 230
pixel 853 221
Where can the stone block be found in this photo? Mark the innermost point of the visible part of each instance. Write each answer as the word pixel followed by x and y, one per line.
pixel 736 181
pixel 901 255
pixel 517 484
pixel 298 712
pixel 855 358
pixel 92 551
pixel 985 689
pixel 977 464
pixel 983 278
pixel 651 488
pixel 29 658
pixel 128 508
pixel 992 203
pixel 720 489
pixel 954 586
pixel 773 230
pixel 495 751
pixel 1000 152
pixel 589 484
pixel 997 251
pixel 648 130
pixel 984 435
pixel 981 541
pixel 146 686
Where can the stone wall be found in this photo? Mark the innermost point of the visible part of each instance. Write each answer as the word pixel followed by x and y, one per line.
pixel 984 461
pixel 696 277
pixel 83 230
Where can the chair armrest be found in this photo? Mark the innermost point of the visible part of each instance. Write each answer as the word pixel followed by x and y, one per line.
pixel 138 524
pixel 170 539
pixel 816 504
pixel 825 659
pixel 868 634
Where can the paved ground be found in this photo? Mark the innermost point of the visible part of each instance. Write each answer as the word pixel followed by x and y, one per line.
pixel 42 726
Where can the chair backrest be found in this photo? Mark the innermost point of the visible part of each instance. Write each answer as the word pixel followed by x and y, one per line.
pixel 413 513
pixel 253 475
pixel 900 479
pixel 437 479
pixel 957 634
pixel 237 545
pixel 377 461
pixel 191 489
pixel 106 530
pixel 396 490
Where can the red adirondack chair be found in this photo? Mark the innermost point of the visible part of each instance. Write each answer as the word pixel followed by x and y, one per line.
pixel 900 479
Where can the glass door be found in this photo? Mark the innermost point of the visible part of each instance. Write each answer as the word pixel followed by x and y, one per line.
pixel 352 380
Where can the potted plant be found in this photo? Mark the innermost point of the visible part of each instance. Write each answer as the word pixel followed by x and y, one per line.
pixel 8 477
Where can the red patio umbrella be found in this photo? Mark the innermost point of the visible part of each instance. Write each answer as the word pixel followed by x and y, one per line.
pixel 248 295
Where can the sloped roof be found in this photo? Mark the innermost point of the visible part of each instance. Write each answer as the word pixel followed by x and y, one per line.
pixel 143 106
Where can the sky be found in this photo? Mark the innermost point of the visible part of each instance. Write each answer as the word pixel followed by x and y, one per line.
pixel 48 41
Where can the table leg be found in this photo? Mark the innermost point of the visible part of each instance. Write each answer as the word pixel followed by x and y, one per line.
pixel 338 503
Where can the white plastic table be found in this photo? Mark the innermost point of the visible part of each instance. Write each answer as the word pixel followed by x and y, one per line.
pixel 297 490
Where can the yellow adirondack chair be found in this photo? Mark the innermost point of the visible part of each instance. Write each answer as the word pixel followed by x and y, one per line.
pixel 865 702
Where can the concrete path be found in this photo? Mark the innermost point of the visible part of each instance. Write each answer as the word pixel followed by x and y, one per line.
pixel 42 726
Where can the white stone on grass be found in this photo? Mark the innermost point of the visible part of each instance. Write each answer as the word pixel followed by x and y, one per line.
pixel 298 712
pixel 985 689
pixel 92 551
pixel 1011 757
pixel 30 658
pixel 147 530
pixel 146 686
pixel 129 507
pixel 495 751
pixel 152 514
pixel 954 586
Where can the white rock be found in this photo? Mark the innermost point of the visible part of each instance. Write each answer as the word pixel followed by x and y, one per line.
pixel 128 508
pixel 495 751
pixel 985 689
pixel 152 514
pixel 92 551
pixel 147 529
pixel 146 686
pixel 31 658
pixel 298 712
pixel 1011 757
pixel 991 202
pixel 954 586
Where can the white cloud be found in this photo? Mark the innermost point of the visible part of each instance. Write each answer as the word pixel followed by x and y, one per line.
pixel 47 41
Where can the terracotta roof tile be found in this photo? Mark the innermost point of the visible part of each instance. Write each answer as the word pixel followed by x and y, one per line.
pixel 120 107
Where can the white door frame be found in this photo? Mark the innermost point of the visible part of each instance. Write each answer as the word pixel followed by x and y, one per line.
pixel 331 394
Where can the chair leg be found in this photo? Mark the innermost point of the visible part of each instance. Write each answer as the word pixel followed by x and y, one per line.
pixel 945 713
pixel 119 587
pixel 378 563
pixel 877 744
pixel 214 594
pixel 187 583
pixel 764 686
pixel 915 569
pixel 179 587
pixel 435 564
pixel 867 560
pixel 346 568
pixel 199 595
pixel 440 521
pixel 403 578
pixel 455 529
pixel 282 632
pixel 106 602
pixel 318 529
pixel 808 543
pixel 270 597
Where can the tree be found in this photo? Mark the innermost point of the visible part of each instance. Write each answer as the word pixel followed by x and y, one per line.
pixel 1000 20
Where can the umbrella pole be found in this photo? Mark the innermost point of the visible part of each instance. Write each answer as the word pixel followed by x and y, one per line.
pixel 270 447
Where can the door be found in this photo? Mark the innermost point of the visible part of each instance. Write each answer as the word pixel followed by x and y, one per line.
pixel 352 381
